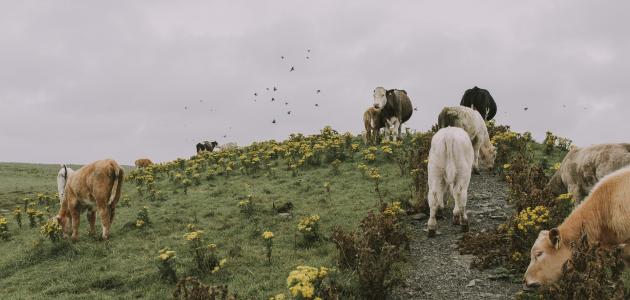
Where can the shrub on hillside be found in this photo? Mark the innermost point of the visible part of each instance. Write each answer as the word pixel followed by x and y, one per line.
pixel 373 249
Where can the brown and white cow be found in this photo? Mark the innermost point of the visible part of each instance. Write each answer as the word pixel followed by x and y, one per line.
pixel 143 163
pixel 582 168
pixel 471 121
pixel 95 187
pixel 395 108
pixel 605 218
pixel 373 123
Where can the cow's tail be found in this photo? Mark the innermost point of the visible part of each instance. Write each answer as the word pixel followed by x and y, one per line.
pixel 118 178
pixel 450 168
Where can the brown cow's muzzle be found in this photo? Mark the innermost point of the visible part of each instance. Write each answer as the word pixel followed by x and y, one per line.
pixel 530 286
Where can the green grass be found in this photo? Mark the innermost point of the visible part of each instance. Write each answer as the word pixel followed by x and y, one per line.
pixel 125 267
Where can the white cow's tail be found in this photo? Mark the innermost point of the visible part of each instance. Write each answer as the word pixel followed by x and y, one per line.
pixel 450 167
pixel 118 177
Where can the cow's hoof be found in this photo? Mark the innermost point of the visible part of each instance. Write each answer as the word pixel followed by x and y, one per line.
pixel 465 228
pixel 456 220
pixel 431 233
pixel 476 172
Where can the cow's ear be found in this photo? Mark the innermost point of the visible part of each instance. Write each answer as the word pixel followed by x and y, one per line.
pixel 554 238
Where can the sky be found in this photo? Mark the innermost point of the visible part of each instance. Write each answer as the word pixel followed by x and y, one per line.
pixel 87 80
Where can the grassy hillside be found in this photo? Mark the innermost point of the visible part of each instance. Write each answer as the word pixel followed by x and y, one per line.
pixel 126 266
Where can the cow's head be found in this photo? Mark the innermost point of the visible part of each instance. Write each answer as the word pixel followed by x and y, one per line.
pixel 380 97
pixel 487 155
pixel 548 255
pixel 214 143
pixel 62 221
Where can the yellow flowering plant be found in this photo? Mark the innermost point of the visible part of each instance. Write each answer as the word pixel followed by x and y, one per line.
pixel 268 239
pixel 166 265
pixel 309 228
pixel 142 218
pixel 309 282
pixel 4 229
pixel 52 230
pixel 17 215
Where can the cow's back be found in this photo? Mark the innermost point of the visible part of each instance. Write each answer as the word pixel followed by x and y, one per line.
pixel 93 178
pixel 586 166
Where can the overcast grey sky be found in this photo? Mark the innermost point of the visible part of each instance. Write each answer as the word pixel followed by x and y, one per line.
pixel 85 80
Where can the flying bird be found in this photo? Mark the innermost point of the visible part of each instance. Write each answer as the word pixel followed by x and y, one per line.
pixel 319 91
pixel 292 69
pixel 273 99
pixel 200 101
pixel 185 107
pixel 307 57
pixel 274 121
pixel 281 57
pixel 255 94
pixel 288 112
pixel 316 104
pixel 525 109
pixel 415 109
pixel 286 103
pixel 267 88
pixel 308 50
pixel 275 88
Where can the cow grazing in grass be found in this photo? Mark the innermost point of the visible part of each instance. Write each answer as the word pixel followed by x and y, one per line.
pixel 62 178
pixel 481 101
pixel 395 108
pixel 472 122
pixel 206 146
pixel 582 168
pixel 605 218
pixel 95 187
pixel 373 123
pixel 450 165
pixel 143 163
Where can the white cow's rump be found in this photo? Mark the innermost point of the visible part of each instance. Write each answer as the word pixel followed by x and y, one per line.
pixel 450 165
pixel 62 177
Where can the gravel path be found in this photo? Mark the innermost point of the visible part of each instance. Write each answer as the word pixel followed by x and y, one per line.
pixel 439 271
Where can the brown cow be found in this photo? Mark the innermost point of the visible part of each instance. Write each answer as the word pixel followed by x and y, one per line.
pixel 143 163
pixel 605 218
pixel 373 123
pixel 582 168
pixel 95 186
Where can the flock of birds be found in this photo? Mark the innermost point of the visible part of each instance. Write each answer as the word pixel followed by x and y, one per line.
pixel 275 89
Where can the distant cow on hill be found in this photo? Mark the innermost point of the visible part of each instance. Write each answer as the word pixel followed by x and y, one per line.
pixel 206 146
pixel 394 106
pixel 373 123
pixel 582 168
pixel 95 187
pixel 143 163
pixel 481 101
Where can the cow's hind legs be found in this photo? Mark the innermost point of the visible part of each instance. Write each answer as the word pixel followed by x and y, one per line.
pixel 461 195
pixel 91 216
pixel 434 199
pixel 106 219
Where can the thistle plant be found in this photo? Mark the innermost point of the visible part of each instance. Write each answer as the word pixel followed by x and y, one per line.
pixel 52 230
pixel 247 206
pixel 32 216
pixel 268 239
pixel 17 215
pixel 335 167
pixel 205 257
pixel 376 178
pixel 166 262
pixel 4 229
pixel 309 228
pixel 142 219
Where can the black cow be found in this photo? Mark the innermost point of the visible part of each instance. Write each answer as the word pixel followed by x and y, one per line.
pixel 481 101
pixel 206 146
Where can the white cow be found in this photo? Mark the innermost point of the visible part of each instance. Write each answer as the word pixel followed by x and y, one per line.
pixel 62 179
pixel 471 121
pixel 450 165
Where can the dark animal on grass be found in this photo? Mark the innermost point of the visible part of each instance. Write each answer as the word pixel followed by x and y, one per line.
pixel 582 168
pixel 481 101
pixel 206 146
pixel 395 108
